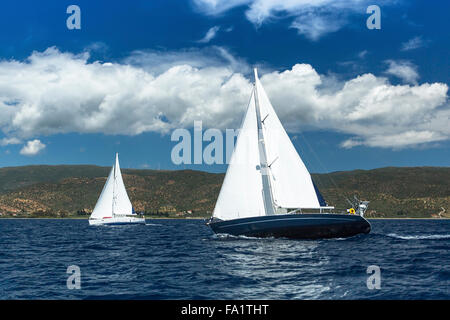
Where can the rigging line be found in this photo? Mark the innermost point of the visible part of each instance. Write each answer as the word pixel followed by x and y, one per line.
pixel 273 162
pixel 243 118
pixel 324 167
pixel 317 180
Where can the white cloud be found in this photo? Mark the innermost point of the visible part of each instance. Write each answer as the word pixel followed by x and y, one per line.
pixel 362 54
pixel 157 62
pixel 32 148
pixel 350 143
pixel 8 141
pixel 414 43
pixel 312 18
pixel 404 70
pixel 97 47
pixel 62 92
pixel 397 140
pixel 375 112
pixel 55 92
pixel 210 34
pixel 314 26
pixel 215 7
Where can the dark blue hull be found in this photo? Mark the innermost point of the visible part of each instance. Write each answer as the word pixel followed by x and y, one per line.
pixel 295 226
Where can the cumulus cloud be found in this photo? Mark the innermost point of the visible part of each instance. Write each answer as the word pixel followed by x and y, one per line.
pixel 311 18
pixel 404 70
pixel 60 92
pixel 375 112
pixel 32 148
pixel 54 92
pixel 210 34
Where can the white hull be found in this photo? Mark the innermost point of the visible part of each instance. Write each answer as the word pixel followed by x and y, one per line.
pixel 116 221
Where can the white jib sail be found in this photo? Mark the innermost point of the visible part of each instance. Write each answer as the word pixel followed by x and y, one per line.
pixel 122 204
pixel 292 186
pixel 241 192
pixel 114 198
pixel 103 208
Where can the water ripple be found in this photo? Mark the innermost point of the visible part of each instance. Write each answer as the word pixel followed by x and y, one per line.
pixel 179 259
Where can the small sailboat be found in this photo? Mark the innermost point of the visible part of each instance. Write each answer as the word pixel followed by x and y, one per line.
pixel 114 207
pixel 267 190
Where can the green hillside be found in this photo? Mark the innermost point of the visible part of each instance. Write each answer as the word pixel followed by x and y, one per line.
pixel 393 192
pixel 66 190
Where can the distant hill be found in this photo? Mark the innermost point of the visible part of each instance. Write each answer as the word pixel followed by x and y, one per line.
pixel 393 192
pixel 66 190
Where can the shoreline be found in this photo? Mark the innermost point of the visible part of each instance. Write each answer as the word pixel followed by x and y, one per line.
pixel 190 218
pixel 408 218
pixel 73 218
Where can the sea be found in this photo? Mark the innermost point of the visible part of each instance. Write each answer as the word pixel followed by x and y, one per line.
pixel 184 259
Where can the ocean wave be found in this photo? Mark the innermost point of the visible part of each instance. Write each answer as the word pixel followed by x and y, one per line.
pixel 421 237
pixel 225 236
pixel 183 260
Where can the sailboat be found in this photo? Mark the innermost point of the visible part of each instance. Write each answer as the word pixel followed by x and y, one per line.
pixel 113 206
pixel 268 191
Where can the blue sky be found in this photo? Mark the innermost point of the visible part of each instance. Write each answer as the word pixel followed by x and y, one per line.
pixel 358 98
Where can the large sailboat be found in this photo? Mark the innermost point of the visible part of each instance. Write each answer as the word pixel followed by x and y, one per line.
pixel 267 190
pixel 114 207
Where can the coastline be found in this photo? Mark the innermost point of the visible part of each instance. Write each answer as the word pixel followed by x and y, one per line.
pixel 189 218
pixel 83 218
pixel 408 218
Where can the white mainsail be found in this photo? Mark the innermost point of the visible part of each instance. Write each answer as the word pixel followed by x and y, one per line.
pixel 242 194
pixel 113 200
pixel 122 204
pixel 292 186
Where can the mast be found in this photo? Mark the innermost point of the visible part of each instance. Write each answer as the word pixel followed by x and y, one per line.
pixel 264 169
pixel 114 184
